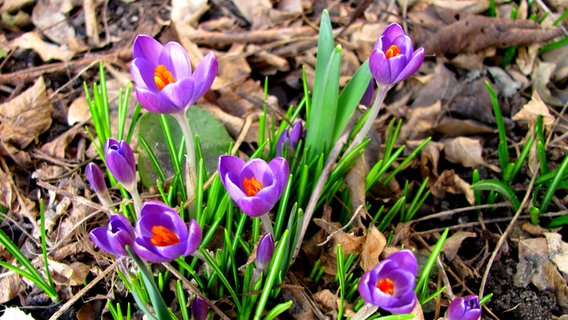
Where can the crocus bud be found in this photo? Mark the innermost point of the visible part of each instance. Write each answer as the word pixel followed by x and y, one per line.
pixel 290 138
pixel 97 181
pixel 120 162
pixel 115 237
pixel 264 252
pixel 199 309
pixel 367 98
pixel 464 308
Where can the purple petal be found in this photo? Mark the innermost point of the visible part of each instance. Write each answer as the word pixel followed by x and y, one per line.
pixel 380 67
pixel 233 186
pixel 204 75
pixel 147 48
pixel 120 168
pixel 141 247
pixel 254 206
pixel 393 31
pixel 100 237
pixel 142 72
pixel 406 260
pixel 175 59
pixel 179 93
pixel 95 177
pixel 265 251
pixel 154 102
pixel 411 66
pixel 366 286
pixel 281 171
pixel 229 164
pixel 404 43
pixel 194 238
pixel 199 309
pixel 404 304
pixel 397 64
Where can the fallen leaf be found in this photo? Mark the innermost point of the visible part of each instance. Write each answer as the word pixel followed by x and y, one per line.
pixel 449 181
pixel 453 243
pixel 541 76
pixel 11 285
pixel 532 110
pixel 466 151
pixel 459 32
pixel 49 17
pixel 349 242
pixel 453 127
pixel 420 123
pixel 73 274
pixel 326 300
pixel 78 111
pixel 375 243
pixel 558 251
pixel 470 6
pixel 47 51
pixel 26 116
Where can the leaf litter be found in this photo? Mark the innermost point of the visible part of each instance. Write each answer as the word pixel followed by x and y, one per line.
pixel 448 101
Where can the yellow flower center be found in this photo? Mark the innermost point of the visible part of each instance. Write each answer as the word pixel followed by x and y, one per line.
pixel 162 236
pixel 392 51
pixel 163 77
pixel 386 286
pixel 252 186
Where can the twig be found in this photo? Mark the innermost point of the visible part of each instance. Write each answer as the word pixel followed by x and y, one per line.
pixel 454 211
pixel 504 236
pixel 82 292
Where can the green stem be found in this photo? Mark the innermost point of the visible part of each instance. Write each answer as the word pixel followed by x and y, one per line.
pixel 190 153
pixel 381 94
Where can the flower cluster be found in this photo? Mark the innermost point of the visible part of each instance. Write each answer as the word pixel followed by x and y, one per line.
pixel 160 234
pixel 390 285
pixel 255 186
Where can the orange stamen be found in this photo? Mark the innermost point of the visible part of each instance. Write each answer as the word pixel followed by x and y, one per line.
pixel 163 77
pixel 163 236
pixel 386 286
pixel 392 51
pixel 252 186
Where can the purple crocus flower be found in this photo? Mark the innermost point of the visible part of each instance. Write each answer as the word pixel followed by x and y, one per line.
pixel 390 285
pixel 464 308
pixel 255 186
pixel 163 76
pixel 393 58
pixel 120 162
pixel 264 252
pixel 290 137
pixel 113 238
pixel 97 182
pixel 162 235
pixel 199 309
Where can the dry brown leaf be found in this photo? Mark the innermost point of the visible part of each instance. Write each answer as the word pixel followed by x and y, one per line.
pixel 453 243
pixel 349 243
pixel 470 6
pixel 541 76
pixel 466 151
pixel 450 182
pixel 326 300
pixel 46 172
pixel 26 116
pixel 355 180
pixel 57 147
pixel 420 122
pixel 558 251
pixel 458 32
pixel 530 112
pixel 454 127
pixel 78 111
pixel 11 285
pixel 429 158
pixel 375 243
pixel 73 274
pixel 49 17
pixel 89 310
pixel 47 51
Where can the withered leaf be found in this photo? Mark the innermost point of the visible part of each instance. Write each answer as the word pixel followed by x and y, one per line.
pixel 25 117
pixel 375 243
pixel 458 32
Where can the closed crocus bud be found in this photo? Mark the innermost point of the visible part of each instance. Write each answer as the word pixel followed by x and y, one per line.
pixel 162 235
pixel 199 309
pixel 115 237
pixel 393 58
pixel 264 252
pixel 464 308
pixel 255 186
pixel 390 285
pixel 290 138
pixel 98 184
pixel 120 162
pixel 164 80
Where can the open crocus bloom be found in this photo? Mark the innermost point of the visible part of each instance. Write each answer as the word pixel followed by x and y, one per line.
pixel 162 235
pixel 255 186
pixel 163 76
pixel 464 308
pixel 390 285
pixel 393 58
pixel 113 238
pixel 120 162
